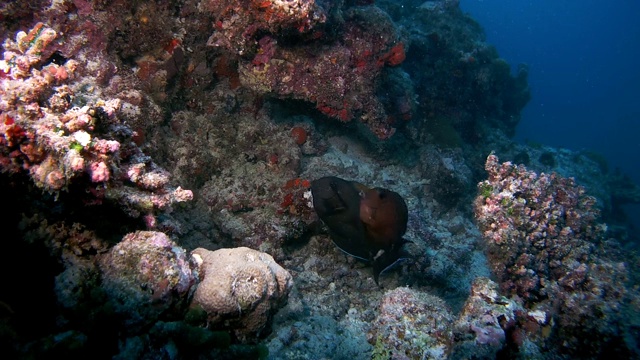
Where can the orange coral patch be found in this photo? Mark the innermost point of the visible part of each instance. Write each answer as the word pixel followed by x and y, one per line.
pixel 395 56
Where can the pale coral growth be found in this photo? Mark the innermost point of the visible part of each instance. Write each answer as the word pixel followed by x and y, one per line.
pixel 99 172
pixel 47 175
pixel 182 195
pixel 240 289
pixel 76 120
pixel 74 161
pixel 136 202
pixel 154 180
pixel 55 180
pixel 60 101
pixel 82 137
pixel 105 146
pixel 147 177
pixel 58 72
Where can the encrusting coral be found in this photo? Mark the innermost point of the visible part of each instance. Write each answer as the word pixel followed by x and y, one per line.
pixel 240 289
pixel 545 246
pixel 146 275
pixel 413 325
pixel 490 322
pixel 335 56
pixel 45 134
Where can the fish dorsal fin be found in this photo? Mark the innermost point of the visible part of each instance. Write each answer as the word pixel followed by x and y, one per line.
pixel 361 188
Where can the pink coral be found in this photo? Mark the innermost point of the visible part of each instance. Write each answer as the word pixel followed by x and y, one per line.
pixel 99 172
pixel 542 241
pixel 532 223
pixel 43 134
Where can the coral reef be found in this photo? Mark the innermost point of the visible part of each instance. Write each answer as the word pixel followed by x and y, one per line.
pixel 319 336
pixel 343 78
pixel 145 276
pixel 240 288
pixel 544 244
pixel 489 324
pixel 243 170
pixel 479 326
pixel 62 145
pixel 450 178
pixel 413 325
pixel 467 97
pixel 239 25
pixel 109 110
pixel 336 56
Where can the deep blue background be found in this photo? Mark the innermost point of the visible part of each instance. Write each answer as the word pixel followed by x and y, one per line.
pixel 584 72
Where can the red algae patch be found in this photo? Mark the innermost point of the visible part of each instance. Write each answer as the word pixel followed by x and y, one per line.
pixel 299 134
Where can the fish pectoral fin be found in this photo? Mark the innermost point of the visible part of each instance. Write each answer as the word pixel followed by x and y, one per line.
pixel 387 259
pixel 378 254
pixel 334 205
pixel 336 201
pixel 380 261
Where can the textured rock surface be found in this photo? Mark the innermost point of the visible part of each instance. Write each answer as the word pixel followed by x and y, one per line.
pixel 479 328
pixel 412 325
pixel 240 288
pixel 145 275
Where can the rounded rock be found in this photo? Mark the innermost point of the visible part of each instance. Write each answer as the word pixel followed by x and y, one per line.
pixel 240 289
pixel 145 276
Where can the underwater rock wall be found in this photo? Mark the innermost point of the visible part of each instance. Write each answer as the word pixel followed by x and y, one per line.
pixel 465 90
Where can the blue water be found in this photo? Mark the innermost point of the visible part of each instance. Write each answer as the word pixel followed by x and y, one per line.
pixel 584 58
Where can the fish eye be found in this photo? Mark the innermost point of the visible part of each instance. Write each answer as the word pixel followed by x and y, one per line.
pixel 382 195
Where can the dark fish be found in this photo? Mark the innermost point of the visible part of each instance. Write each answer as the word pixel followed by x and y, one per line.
pixel 385 215
pixel 364 223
